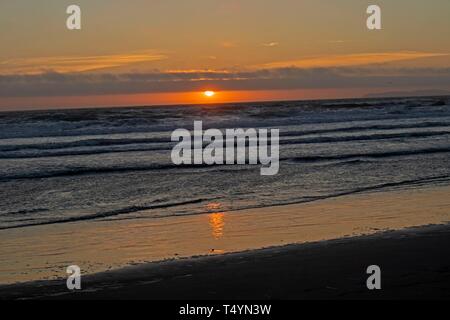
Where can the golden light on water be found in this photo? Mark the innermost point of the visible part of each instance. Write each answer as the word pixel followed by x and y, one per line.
pixel 217 223
pixel 216 219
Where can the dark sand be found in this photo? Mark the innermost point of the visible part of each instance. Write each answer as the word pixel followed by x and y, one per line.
pixel 415 263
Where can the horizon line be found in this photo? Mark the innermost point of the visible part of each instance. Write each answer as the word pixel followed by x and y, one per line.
pixel 221 104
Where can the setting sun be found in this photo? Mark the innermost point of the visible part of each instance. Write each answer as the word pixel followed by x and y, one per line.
pixel 209 93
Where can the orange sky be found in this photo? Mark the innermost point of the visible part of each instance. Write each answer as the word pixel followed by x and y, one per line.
pixel 169 52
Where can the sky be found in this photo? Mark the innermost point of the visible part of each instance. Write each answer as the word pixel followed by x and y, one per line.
pixel 140 52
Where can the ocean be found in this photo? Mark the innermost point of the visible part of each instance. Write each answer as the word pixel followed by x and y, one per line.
pixel 64 166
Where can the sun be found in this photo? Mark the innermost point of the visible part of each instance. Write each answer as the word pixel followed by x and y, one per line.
pixel 209 94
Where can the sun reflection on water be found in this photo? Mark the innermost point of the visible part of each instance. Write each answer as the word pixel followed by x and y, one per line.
pixel 217 223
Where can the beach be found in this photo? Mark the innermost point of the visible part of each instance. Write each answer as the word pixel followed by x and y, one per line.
pixel 98 189
pixel 224 150
pixel 326 248
pixel 415 264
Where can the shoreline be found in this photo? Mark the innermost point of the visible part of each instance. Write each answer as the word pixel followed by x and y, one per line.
pixel 413 261
pixel 44 252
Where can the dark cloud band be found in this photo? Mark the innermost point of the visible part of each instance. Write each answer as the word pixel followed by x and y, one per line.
pixel 79 84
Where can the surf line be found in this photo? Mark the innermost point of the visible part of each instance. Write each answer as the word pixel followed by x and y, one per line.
pixel 237 146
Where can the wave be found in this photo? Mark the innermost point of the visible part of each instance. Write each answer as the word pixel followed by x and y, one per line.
pixel 21 126
pixel 108 214
pixel 306 199
pixel 366 137
pixel 367 128
pixel 374 155
pixel 79 152
pixel 70 172
pixel 79 171
pixel 128 141
pixel 82 143
pixel 23 212
pixel 316 140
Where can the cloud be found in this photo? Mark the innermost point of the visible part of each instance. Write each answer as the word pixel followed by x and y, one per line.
pixel 349 60
pixel 271 44
pixel 85 84
pixel 71 64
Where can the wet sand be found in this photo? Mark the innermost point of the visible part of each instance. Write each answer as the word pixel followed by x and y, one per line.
pixel 415 264
pixel 44 252
pixel 198 247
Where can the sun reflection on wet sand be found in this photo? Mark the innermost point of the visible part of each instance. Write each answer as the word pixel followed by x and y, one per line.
pixel 41 252
pixel 217 223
